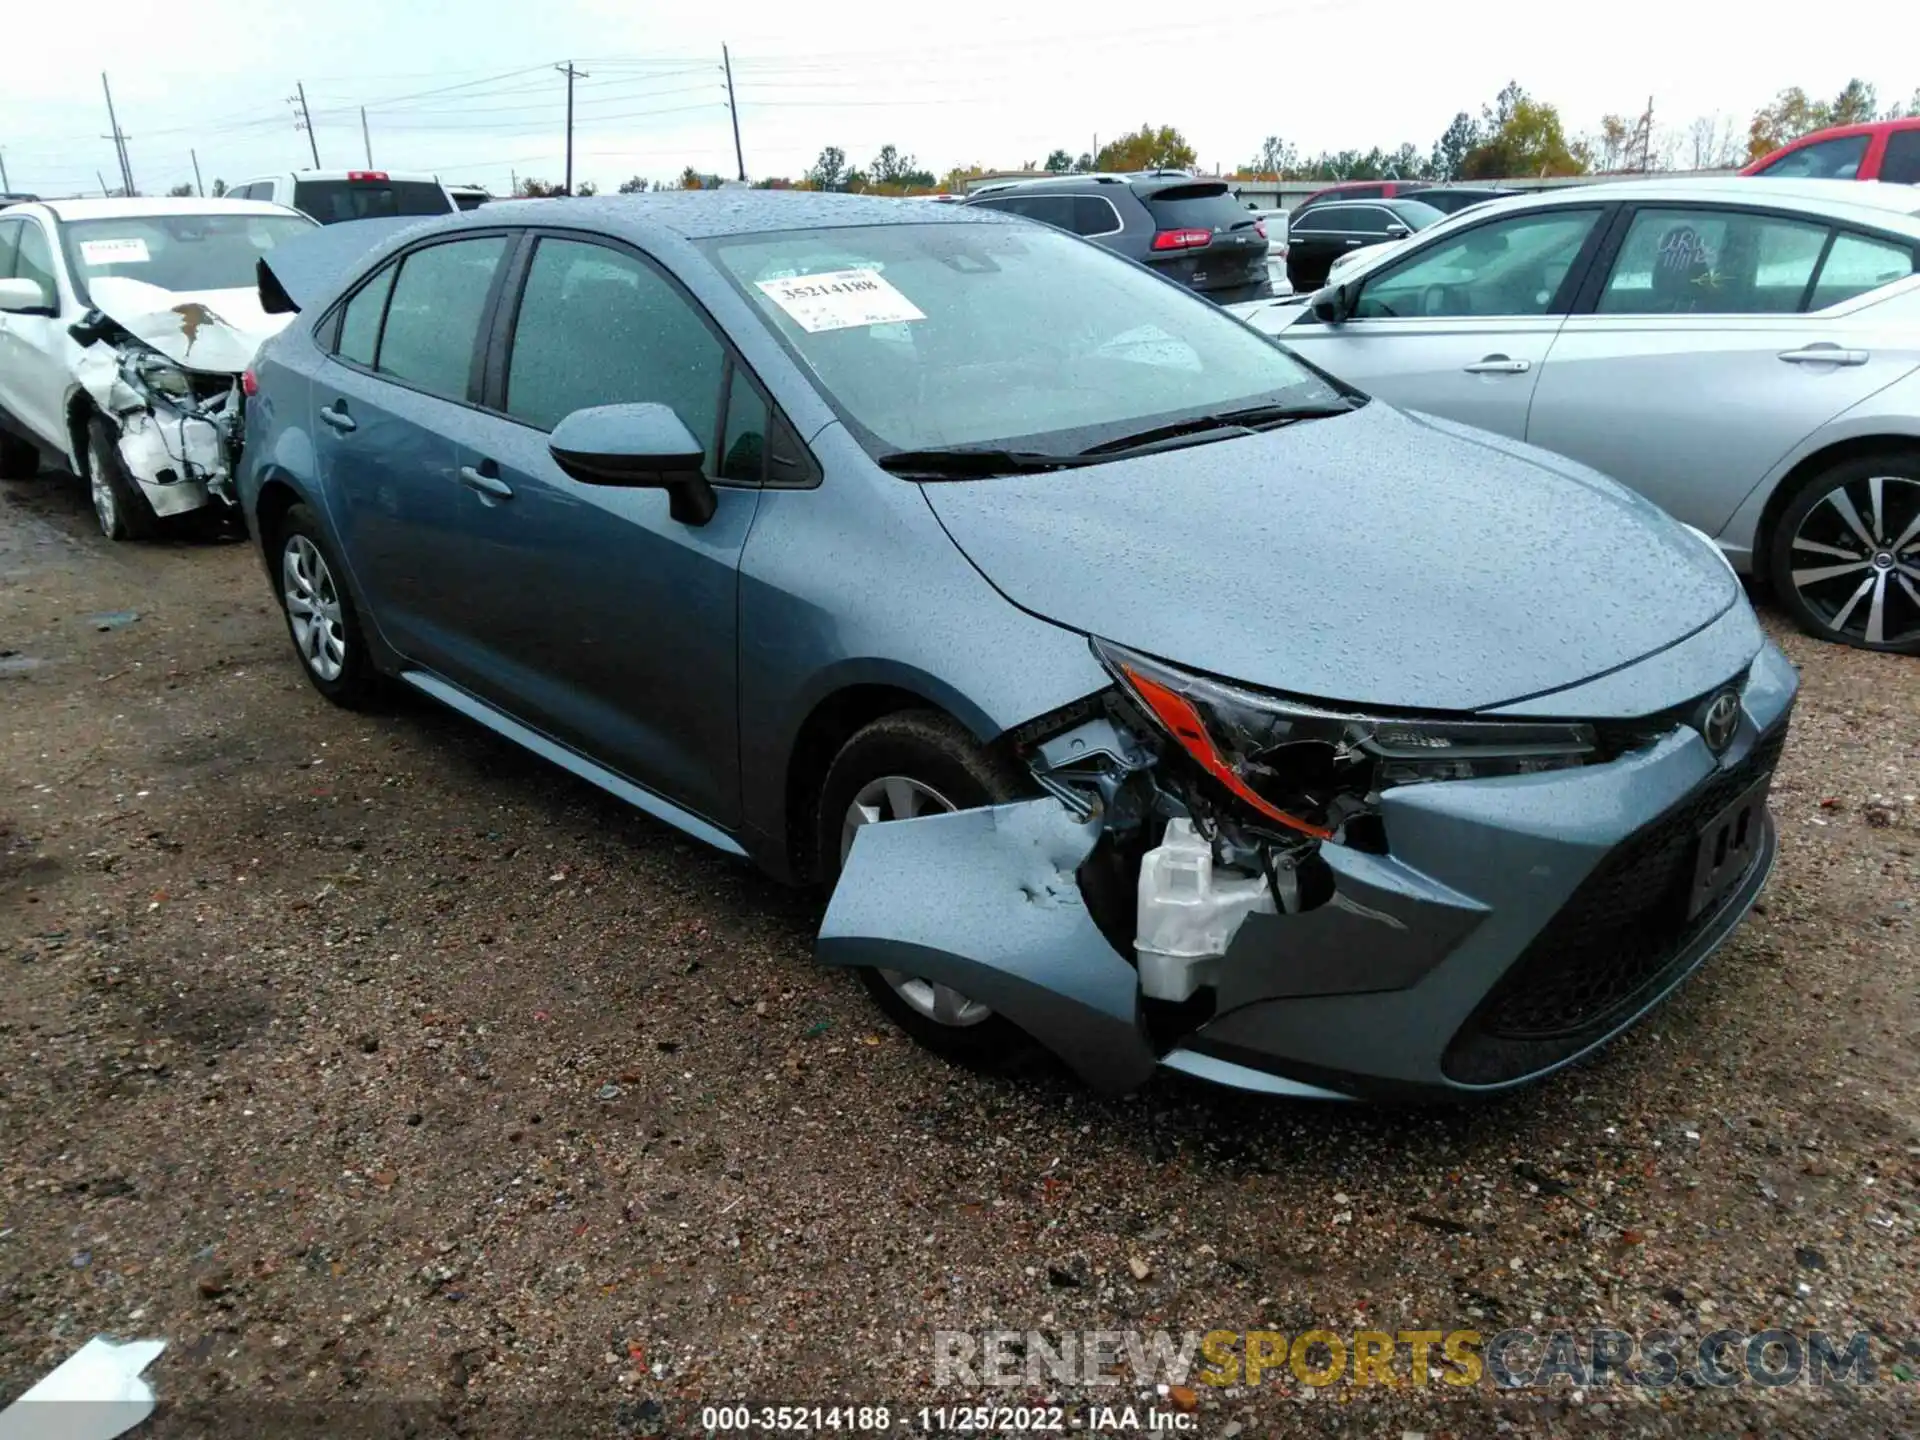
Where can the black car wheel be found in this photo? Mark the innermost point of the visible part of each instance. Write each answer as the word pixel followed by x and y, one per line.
pixel 118 505
pixel 1845 555
pixel 919 762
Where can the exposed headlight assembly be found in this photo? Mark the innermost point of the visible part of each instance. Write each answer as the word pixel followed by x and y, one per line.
pixel 1309 769
pixel 156 377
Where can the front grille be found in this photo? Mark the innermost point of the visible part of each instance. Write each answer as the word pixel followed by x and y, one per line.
pixel 1613 943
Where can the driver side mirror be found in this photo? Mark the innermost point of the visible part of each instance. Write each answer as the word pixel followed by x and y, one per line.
pixel 637 446
pixel 1397 231
pixel 25 297
pixel 1333 303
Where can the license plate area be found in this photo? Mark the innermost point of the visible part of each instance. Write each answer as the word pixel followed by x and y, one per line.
pixel 1726 847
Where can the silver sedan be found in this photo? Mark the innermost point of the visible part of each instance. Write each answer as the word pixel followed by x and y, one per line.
pixel 1744 352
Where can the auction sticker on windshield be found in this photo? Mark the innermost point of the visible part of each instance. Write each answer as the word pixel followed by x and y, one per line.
pixel 840 300
pixel 131 251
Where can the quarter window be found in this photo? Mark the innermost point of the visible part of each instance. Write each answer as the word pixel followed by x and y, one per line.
pixel 1857 264
pixel 1712 262
pixel 433 318
pixel 1509 267
pixel 360 321
pixel 600 327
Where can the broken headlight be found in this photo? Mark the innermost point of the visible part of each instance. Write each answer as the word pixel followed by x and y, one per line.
pixel 156 377
pixel 1309 769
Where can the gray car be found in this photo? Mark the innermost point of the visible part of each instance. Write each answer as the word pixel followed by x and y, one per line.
pixel 1139 690
pixel 1744 352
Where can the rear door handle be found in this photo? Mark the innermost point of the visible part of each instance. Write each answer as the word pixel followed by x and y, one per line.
pixel 493 485
pixel 336 415
pixel 1824 355
pixel 1499 365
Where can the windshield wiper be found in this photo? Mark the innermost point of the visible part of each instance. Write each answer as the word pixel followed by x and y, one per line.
pixel 1223 426
pixel 964 462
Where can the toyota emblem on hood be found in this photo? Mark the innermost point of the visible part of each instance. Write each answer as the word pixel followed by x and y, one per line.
pixel 1719 721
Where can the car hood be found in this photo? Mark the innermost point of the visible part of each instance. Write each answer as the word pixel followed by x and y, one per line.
pixel 211 330
pixel 1378 558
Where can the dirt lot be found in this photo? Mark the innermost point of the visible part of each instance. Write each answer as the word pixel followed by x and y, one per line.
pixel 366 1057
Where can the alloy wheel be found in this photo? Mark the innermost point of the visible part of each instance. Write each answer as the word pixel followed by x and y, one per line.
pixel 1856 558
pixel 900 797
pixel 313 608
pixel 106 505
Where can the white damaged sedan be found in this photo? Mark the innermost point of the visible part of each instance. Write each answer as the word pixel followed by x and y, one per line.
pixel 125 325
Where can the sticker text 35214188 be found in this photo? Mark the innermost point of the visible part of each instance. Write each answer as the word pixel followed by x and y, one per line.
pixel 840 300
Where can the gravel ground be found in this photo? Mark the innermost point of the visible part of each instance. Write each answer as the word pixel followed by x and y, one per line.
pixel 366 1057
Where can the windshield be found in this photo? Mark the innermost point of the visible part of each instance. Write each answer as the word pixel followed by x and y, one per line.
pixel 942 335
pixel 1417 213
pixel 178 252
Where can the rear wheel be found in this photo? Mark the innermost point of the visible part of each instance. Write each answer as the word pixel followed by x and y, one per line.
pixel 915 763
pixel 118 505
pixel 320 615
pixel 1844 559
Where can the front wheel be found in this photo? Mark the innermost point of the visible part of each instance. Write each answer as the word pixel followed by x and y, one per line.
pixel 1845 556
pixel 123 512
pixel 916 763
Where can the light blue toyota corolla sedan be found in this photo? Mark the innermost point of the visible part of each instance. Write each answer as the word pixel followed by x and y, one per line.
pixel 1140 691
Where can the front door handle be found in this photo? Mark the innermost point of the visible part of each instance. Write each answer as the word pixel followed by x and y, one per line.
pixel 489 485
pixel 336 415
pixel 1499 365
pixel 1824 355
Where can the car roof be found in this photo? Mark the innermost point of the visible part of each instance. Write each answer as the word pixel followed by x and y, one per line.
pixel 706 214
pixel 116 208
pixel 410 176
pixel 1859 200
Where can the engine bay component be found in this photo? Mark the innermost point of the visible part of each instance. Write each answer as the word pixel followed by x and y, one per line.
pixel 1189 913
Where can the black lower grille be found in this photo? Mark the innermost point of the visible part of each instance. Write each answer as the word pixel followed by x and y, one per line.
pixel 1612 944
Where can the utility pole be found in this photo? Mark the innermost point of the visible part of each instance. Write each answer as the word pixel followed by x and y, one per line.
pixel 740 163
pixel 305 122
pixel 572 75
pixel 3 171
pixel 1646 142
pixel 119 140
pixel 198 188
pixel 365 138
pixel 103 183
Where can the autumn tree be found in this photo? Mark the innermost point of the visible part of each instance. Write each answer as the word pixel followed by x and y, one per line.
pixel 690 179
pixel 900 172
pixel 531 188
pixel 1522 136
pixel 954 182
pixel 1059 163
pixel 637 185
pixel 1147 148
pixel 1792 114
pixel 1275 157
pixel 829 172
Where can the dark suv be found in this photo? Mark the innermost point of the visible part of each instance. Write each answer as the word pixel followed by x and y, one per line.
pixel 1192 231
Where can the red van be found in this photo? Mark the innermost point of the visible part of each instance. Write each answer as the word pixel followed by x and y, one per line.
pixel 1886 150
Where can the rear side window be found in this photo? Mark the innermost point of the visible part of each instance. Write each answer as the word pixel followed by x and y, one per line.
pixel 433 318
pixel 329 201
pixel 360 321
pixel 1712 262
pixel 600 327
pixel 1313 222
pixel 1900 161
pixel 1196 207
pixel 1827 160
pixel 1857 264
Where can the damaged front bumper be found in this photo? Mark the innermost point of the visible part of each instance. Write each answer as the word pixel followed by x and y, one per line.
pixel 1508 927
pixel 180 462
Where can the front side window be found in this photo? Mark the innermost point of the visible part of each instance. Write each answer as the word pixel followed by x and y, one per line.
pixel 974 334
pixel 1857 264
pixel 1826 160
pixel 1370 220
pixel 1508 267
pixel 1712 262
pixel 433 317
pixel 35 260
pixel 598 326
pixel 178 252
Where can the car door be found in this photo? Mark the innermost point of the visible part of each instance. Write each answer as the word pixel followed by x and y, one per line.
pixel 598 617
pixel 1314 239
pixel 1460 325
pixel 1697 362
pixel 405 367
pixel 34 373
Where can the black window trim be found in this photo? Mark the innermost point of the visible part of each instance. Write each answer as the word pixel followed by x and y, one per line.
pixel 1588 301
pixel 326 330
pixel 498 339
pixel 1565 300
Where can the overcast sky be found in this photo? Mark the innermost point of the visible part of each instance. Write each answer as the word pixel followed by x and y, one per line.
pixel 995 84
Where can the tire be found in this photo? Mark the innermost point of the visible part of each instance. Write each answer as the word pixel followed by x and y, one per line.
pixel 935 753
pixel 1824 572
pixel 19 458
pixel 325 629
pixel 118 505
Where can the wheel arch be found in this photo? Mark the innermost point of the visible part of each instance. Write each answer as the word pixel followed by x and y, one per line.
pixel 1803 470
